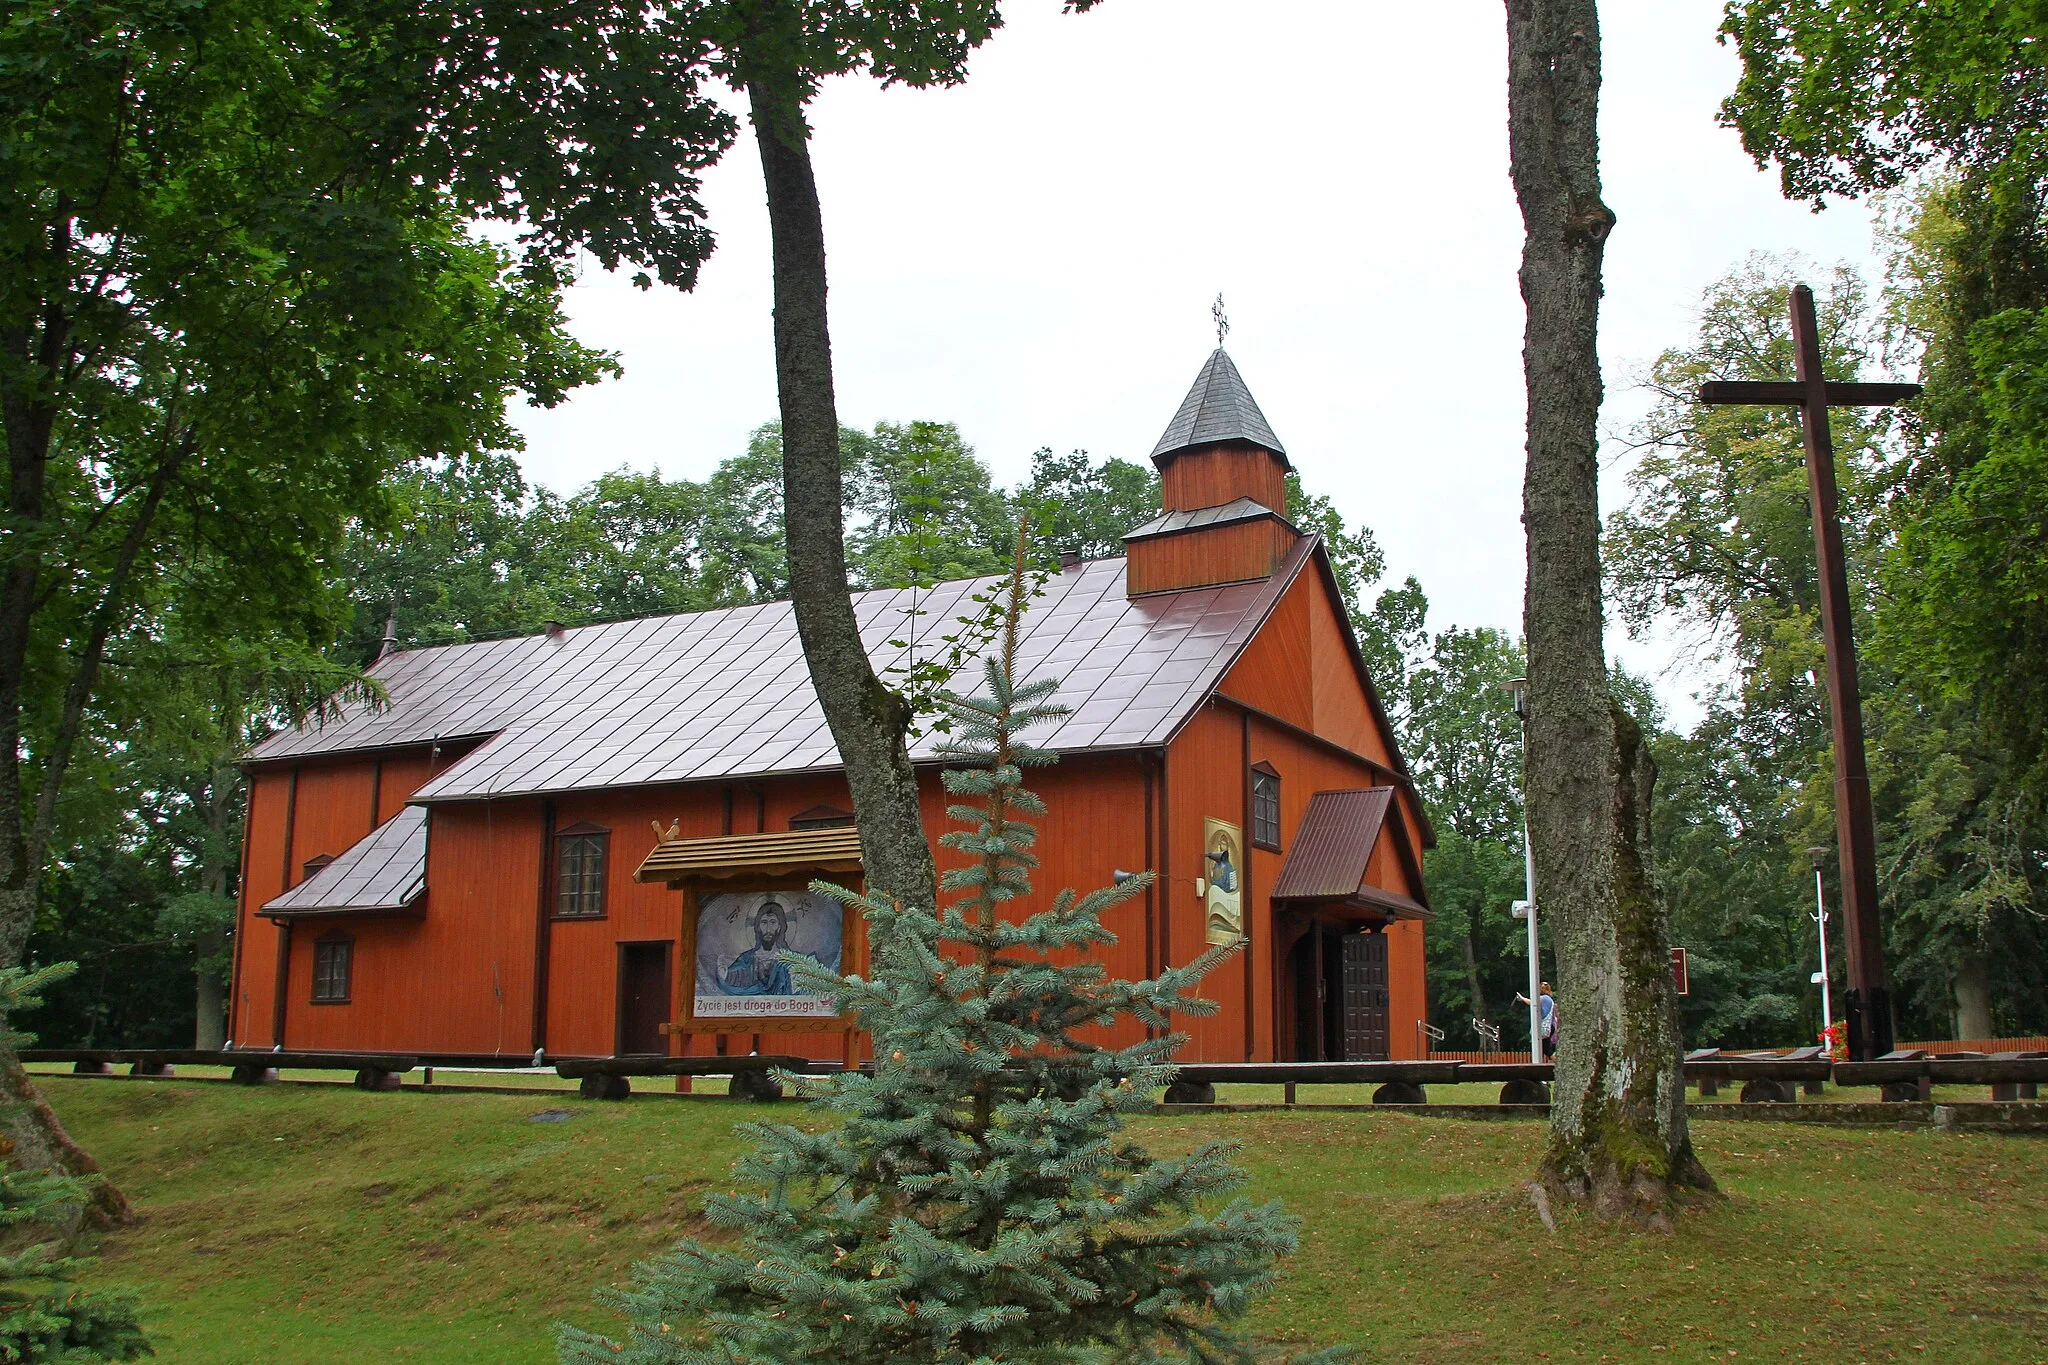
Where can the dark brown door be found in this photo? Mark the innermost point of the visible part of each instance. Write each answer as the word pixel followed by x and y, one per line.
pixel 1365 997
pixel 643 997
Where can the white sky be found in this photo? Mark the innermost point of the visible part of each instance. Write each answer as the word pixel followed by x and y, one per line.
pixel 1033 254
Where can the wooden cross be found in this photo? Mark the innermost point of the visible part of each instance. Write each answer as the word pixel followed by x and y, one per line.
pixel 1869 1006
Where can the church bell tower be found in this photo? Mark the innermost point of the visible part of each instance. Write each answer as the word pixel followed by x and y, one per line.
pixel 1223 480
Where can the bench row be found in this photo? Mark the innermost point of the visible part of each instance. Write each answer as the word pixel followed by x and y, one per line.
pixel 1768 1076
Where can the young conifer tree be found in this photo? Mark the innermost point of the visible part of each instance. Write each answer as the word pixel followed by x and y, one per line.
pixel 978 1199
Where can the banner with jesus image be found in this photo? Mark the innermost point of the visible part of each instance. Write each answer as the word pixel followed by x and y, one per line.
pixel 747 942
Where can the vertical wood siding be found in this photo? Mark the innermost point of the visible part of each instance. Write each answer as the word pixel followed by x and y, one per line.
pixel 1213 475
pixel 458 978
pixel 256 939
pixel 1231 553
pixel 1341 710
pixel 321 807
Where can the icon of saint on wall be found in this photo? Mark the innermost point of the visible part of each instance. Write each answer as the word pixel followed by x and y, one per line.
pixel 1223 861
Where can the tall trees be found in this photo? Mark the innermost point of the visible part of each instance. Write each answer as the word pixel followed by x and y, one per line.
pixel 1079 506
pixel 1715 539
pixel 1847 98
pixel 224 315
pixel 1948 102
pixel 778 51
pixel 1618 1133
pixel 218 324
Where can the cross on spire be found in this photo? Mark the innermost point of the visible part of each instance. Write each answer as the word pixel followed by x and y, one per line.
pixel 1869 1011
pixel 1222 319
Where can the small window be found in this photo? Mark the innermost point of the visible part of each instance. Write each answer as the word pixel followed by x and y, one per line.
pixel 314 864
pixel 1265 806
pixel 579 871
pixel 333 963
pixel 822 817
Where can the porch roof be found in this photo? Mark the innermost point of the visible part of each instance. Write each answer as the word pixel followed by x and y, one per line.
pixel 1331 854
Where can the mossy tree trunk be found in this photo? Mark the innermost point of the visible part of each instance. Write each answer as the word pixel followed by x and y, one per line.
pixel 869 721
pixel 1618 1135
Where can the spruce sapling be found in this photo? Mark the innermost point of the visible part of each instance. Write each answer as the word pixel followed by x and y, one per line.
pixel 976 1198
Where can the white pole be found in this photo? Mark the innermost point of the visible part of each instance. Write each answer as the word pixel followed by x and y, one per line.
pixel 1535 953
pixel 1820 917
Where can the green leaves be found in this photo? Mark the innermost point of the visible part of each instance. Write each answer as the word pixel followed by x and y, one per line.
pixel 1847 96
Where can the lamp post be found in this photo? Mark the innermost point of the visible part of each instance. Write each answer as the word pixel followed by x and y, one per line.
pixel 1819 856
pixel 1525 909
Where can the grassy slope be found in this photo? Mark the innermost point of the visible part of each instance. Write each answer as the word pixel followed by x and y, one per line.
pixel 294 1224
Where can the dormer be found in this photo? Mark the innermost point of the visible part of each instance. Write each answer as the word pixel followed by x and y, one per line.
pixel 1223 483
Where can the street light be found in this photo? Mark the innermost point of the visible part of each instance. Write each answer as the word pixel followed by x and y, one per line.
pixel 1819 857
pixel 1518 688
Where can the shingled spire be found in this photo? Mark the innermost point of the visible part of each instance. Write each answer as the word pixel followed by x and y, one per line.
pixel 1218 408
pixel 1223 479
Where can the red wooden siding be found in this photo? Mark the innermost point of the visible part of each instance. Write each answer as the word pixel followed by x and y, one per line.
pixel 488 967
pixel 1205 777
pixel 255 951
pixel 1341 710
pixel 324 807
pixel 1210 476
pixel 1276 673
pixel 333 811
pixel 457 979
pixel 1234 552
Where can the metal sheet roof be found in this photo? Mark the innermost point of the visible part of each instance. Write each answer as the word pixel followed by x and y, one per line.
pixel 384 873
pixel 1218 408
pixel 722 694
pixel 1329 854
pixel 1190 519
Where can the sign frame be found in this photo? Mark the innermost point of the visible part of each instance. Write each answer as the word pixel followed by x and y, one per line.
pixel 852 950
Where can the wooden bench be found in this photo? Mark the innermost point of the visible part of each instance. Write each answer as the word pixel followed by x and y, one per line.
pixel 374 1070
pixel 1770 1077
pixel 1520 1082
pixel 1913 1074
pixel 1399 1082
pixel 609 1078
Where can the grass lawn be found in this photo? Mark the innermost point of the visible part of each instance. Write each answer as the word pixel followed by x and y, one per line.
pixel 300 1224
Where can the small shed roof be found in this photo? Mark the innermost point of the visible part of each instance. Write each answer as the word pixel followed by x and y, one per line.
pixel 384 873
pixel 731 855
pixel 1333 848
pixel 1192 519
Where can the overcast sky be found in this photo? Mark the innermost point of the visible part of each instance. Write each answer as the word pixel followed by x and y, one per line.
pixel 1033 255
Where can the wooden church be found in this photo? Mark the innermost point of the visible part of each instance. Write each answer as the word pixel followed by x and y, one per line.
pixel 599 840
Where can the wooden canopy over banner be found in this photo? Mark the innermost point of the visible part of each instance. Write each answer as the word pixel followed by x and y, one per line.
pixel 677 861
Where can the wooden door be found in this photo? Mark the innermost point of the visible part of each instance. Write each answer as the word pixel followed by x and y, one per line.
pixel 643 997
pixel 1365 997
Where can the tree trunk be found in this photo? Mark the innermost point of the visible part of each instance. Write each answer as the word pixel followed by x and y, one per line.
pixel 210 1026
pixel 31 1139
pixel 869 722
pixel 1618 1134
pixel 1973 996
pixel 1472 971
